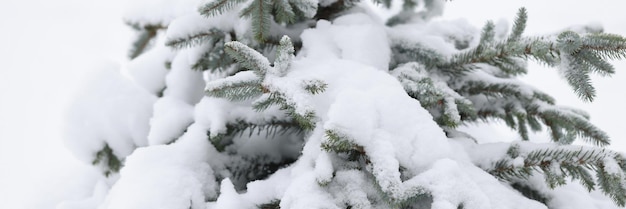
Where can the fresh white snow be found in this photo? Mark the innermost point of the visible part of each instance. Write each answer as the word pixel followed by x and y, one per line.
pixel 118 106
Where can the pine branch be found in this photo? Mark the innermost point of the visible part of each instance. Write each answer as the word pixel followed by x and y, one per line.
pixel 241 86
pixel 271 128
pixel 557 163
pixel 239 91
pixel 284 55
pixel 142 41
pixel 530 193
pixel 612 185
pixel 577 56
pixel 509 66
pixel 214 58
pixel 284 11
pixel 406 52
pixel 576 72
pixel 576 124
pixel 451 116
pixel 314 86
pixel 107 160
pixel 335 9
pixel 608 46
pixel 259 11
pixel 305 9
pixel 255 61
pixel 264 13
pixel 597 64
pixel 466 110
pixel 522 129
pixel 583 54
pixel 338 142
pixel 502 89
pixel 305 119
pixel 195 39
pixel 533 123
pixel 447 107
pixel 519 25
pixel 564 124
pixel 524 48
pixel 268 129
pixel 488 34
pixel 218 7
pixel 248 57
pixel 274 204
pixel 244 169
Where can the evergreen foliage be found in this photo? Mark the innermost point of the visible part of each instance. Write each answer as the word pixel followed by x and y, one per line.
pixel 275 204
pixel 107 160
pixel 145 34
pixel 262 13
pixel 558 163
pixel 263 114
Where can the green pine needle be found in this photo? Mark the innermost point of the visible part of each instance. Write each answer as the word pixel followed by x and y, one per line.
pixel 259 11
pixel 488 33
pixel 284 11
pixel 214 58
pixel 306 120
pixel 519 25
pixel 195 39
pixel 315 86
pixel 218 7
pixel 284 55
pixel 522 129
pixel 274 204
pixel 239 91
pixel 248 57
pixel 558 163
pixel 142 41
pixel 108 160
pixel 338 142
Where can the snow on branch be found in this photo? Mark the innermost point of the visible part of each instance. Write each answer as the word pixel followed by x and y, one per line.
pixel 247 85
pixel 556 163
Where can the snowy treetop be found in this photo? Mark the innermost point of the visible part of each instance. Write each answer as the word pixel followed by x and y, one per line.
pixel 321 104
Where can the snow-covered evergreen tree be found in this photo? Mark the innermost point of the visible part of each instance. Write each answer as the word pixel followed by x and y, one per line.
pixel 321 104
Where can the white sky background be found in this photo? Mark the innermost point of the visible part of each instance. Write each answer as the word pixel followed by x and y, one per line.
pixel 46 47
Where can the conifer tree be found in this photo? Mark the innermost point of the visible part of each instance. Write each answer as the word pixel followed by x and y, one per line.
pixel 319 104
